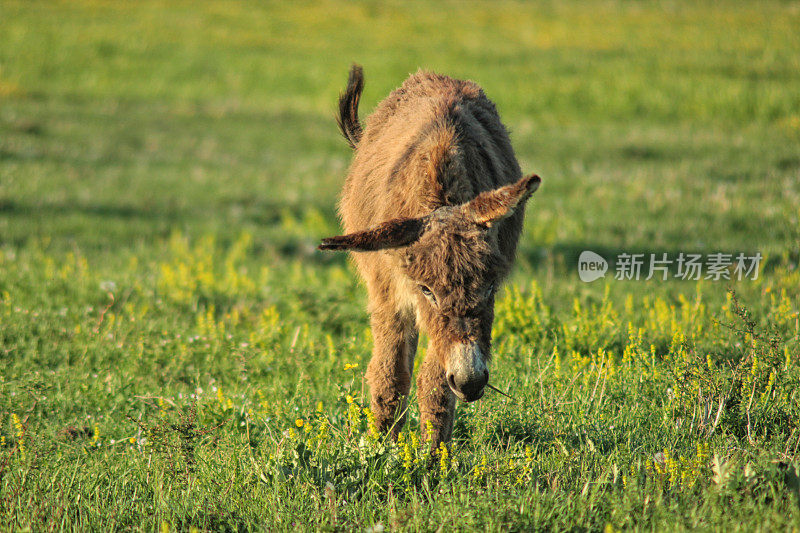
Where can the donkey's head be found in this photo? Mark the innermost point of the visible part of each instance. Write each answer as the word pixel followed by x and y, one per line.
pixel 452 263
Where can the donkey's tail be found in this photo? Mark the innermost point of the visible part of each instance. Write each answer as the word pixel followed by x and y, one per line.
pixel 348 107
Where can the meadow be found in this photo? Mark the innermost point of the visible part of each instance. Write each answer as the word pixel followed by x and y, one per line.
pixel 176 355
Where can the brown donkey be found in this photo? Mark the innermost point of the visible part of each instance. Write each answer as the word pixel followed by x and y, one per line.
pixel 433 206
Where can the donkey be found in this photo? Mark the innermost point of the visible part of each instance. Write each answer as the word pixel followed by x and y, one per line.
pixel 433 207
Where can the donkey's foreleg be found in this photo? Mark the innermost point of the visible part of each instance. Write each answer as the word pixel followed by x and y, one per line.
pixel 437 403
pixel 389 370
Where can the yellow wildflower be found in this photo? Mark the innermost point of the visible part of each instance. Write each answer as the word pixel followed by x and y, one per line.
pixel 20 433
pixel 429 429
pixel 444 459
pixel 372 424
pixel 408 461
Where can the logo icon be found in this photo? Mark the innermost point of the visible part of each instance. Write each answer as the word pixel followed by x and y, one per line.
pixel 591 266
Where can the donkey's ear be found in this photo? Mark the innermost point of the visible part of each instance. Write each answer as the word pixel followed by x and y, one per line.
pixel 392 234
pixel 497 204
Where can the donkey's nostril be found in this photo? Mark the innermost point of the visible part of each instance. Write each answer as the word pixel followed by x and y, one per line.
pixel 451 380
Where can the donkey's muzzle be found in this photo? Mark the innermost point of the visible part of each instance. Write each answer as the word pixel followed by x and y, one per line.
pixel 467 374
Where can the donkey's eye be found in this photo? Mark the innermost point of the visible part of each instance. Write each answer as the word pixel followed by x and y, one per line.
pixel 489 291
pixel 428 293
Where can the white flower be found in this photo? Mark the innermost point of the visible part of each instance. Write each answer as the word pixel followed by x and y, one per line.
pixel 660 458
pixel 108 286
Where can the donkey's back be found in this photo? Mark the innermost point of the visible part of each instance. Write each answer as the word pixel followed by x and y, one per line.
pixel 432 142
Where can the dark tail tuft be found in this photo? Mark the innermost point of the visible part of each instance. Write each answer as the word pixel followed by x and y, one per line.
pixel 348 107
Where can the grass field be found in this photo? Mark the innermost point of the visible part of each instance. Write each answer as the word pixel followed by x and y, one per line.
pixel 176 355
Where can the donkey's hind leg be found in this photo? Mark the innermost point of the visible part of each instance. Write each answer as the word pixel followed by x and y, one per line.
pixel 389 370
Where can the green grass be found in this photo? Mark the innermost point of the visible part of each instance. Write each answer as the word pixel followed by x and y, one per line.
pixel 165 320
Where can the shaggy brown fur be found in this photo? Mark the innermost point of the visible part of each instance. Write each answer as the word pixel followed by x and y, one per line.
pixel 435 197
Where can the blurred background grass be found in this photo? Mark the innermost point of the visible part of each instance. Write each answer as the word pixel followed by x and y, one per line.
pixel 653 124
